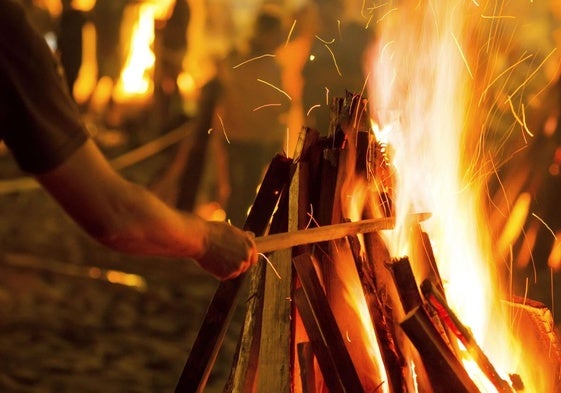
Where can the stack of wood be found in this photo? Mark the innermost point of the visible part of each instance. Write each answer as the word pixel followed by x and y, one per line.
pixel 301 332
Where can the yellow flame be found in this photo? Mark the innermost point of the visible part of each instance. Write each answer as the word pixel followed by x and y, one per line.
pixel 85 84
pixel 425 70
pixel 136 77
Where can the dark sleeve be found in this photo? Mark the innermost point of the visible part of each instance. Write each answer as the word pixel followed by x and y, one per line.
pixel 39 121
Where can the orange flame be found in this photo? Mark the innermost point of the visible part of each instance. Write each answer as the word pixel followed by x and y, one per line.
pixel 425 70
pixel 136 77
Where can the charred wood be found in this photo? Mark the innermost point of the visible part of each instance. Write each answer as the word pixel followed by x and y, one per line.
pixel 437 301
pixel 383 325
pixel 444 370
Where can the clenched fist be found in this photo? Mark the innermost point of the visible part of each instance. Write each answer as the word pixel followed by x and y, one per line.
pixel 229 251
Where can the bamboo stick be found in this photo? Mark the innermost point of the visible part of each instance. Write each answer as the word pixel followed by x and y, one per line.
pixel 279 241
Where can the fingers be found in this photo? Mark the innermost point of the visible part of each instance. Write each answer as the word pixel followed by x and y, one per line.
pixel 231 251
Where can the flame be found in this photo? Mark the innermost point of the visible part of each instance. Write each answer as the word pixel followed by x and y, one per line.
pixel 425 74
pixel 136 77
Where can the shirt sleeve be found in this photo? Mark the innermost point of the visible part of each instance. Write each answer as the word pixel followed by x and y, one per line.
pixel 39 121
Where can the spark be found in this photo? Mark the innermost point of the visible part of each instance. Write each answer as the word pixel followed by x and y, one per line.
pixel 271 265
pixel 326 96
pixel 520 121
pixel 463 55
pixel 475 2
pixel 551 80
pixel 361 95
pixel 287 140
pixel 533 73
pixel 498 17
pixel 386 14
pixel 552 294
pixel 547 226
pixel 369 20
pixel 265 106
pixel 500 75
pixel 334 60
pixel 325 42
pixel 362 9
pixel 312 108
pixel 253 59
pixel 276 88
pixel 502 187
pixel 290 33
pixel 312 218
pixel 223 129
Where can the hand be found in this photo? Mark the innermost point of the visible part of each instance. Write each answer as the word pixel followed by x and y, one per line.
pixel 229 251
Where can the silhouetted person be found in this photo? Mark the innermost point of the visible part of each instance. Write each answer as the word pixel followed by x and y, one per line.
pixel 69 41
pixel 248 128
pixel 336 61
pixel 171 47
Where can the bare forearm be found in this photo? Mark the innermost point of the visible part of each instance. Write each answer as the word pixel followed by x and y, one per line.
pixel 128 218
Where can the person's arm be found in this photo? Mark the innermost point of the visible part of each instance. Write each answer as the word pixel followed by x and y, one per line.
pixel 128 218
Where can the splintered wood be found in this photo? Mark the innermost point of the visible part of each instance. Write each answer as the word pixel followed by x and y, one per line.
pixel 339 313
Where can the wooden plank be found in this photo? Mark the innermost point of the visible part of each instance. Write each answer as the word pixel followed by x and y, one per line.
pixel 322 318
pixel 276 356
pixel 324 233
pixel 244 366
pixel 390 352
pixel 326 362
pixel 306 362
pixel 243 374
pixel 406 285
pixel 444 370
pixel 213 329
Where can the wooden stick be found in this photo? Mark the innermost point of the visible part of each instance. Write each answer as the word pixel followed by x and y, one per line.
pixel 328 232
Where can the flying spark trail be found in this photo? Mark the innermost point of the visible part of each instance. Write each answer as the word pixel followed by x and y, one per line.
pixel 311 109
pixel 334 60
pixel 386 14
pixel 276 88
pixel 463 56
pixel 533 73
pixel 223 129
pixel 265 106
pixel 546 226
pixel 253 59
pixel 517 118
pixel 290 33
pixel 484 93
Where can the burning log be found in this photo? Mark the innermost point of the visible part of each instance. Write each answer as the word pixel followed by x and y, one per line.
pixel 393 358
pixel 437 301
pixel 306 362
pixel 445 371
pixel 334 359
pixel 535 329
pixel 325 324
pixel 406 284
